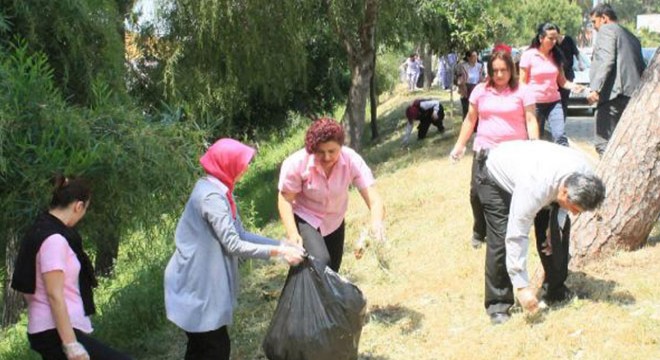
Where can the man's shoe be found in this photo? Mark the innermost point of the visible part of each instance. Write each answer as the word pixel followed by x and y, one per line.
pixel 477 242
pixel 499 318
pixel 564 295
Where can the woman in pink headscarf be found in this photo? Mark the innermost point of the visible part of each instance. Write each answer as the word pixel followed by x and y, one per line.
pixel 201 279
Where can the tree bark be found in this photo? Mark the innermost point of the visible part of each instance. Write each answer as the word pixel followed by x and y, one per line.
pixel 360 51
pixel 428 65
pixel 107 250
pixel 373 97
pixel 630 169
pixel 12 300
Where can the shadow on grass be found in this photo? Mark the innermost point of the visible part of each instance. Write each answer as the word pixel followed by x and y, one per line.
pixel 598 290
pixel 409 320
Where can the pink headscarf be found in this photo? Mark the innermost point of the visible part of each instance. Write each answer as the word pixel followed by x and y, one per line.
pixel 225 160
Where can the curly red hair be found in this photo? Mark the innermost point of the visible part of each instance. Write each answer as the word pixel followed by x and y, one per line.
pixel 322 131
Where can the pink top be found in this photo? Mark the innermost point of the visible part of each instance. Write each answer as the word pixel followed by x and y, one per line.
pixel 542 73
pixel 322 201
pixel 501 114
pixel 56 255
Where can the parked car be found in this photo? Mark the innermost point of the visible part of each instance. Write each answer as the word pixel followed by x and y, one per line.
pixel 647 54
pixel 579 100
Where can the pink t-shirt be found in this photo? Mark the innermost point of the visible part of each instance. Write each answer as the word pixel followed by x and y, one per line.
pixel 501 114
pixel 542 73
pixel 56 255
pixel 322 201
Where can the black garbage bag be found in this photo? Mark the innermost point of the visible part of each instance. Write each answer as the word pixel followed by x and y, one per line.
pixel 319 316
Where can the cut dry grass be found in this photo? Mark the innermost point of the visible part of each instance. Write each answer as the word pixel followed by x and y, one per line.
pixel 429 305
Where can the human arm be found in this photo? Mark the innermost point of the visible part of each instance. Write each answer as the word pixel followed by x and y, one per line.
pixel 215 210
pixel 374 202
pixel 566 84
pixel 466 131
pixel 54 284
pixel 524 76
pixel 285 207
pixel 252 237
pixel 604 61
pixel 531 122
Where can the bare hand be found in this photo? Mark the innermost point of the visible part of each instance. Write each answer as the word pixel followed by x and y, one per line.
pixel 546 247
pixel 528 300
pixel 378 231
pixel 295 239
pixel 578 89
pixel 593 97
pixel 456 154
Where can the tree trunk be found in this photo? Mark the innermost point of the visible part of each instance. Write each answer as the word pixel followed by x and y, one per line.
pixel 360 53
pixel 12 300
pixel 373 98
pixel 428 66
pixel 630 169
pixel 107 250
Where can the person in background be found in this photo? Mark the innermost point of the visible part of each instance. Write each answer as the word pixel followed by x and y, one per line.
pixel 616 70
pixel 313 192
pixel 201 278
pixel 412 67
pixel 443 68
pixel 427 111
pixel 543 175
pixel 469 74
pixel 56 276
pixel 541 68
pixel 569 52
pixel 505 110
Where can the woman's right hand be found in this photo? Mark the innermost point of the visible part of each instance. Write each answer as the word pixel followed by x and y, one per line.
pixel 295 239
pixel 457 153
pixel 292 254
pixel 75 351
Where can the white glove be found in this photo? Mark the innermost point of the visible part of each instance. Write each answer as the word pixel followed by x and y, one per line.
pixel 75 351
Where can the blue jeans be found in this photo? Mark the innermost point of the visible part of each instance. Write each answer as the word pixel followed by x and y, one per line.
pixel 553 114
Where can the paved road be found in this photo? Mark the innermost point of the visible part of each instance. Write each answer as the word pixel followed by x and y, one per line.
pixel 580 126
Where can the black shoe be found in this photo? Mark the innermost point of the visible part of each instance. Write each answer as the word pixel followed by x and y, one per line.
pixel 477 242
pixel 563 295
pixel 499 318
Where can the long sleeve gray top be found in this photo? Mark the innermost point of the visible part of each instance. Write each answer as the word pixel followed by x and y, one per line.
pixel 201 278
pixel 532 172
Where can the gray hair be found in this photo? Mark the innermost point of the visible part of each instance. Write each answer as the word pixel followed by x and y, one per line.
pixel 585 190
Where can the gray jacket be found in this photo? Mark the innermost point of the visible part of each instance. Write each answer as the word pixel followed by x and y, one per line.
pixel 617 63
pixel 201 278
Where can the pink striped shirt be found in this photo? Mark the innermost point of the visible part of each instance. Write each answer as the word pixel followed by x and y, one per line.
pixel 56 255
pixel 322 201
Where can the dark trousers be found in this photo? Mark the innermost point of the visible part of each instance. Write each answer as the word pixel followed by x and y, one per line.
pixel 565 94
pixel 327 249
pixel 465 101
pixel 210 345
pixel 425 123
pixel 607 118
pixel 498 294
pixel 555 265
pixel 49 345
pixel 479 224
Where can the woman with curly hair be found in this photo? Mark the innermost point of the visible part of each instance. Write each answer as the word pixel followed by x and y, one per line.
pixel 313 192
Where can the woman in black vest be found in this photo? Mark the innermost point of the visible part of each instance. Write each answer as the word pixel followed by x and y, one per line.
pixel 56 277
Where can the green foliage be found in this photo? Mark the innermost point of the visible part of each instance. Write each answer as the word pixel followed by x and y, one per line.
pixel 138 170
pixel 649 38
pixel 83 41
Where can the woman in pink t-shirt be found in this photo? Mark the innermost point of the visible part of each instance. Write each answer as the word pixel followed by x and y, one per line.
pixel 505 110
pixel 56 277
pixel 313 192
pixel 541 69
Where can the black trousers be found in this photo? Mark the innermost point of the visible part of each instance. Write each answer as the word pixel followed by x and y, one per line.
pixel 49 345
pixel 498 294
pixel 555 265
pixel 607 118
pixel 211 345
pixel 425 122
pixel 479 224
pixel 465 101
pixel 565 94
pixel 327 249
